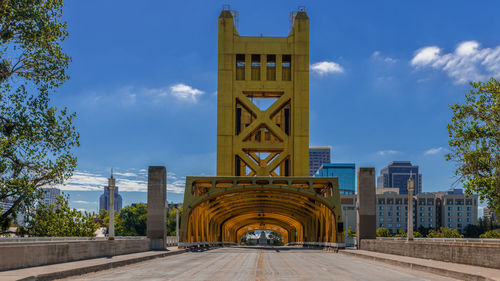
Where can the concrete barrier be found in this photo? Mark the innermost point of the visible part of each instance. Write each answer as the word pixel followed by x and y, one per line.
pixel 34 253
pixel 472 253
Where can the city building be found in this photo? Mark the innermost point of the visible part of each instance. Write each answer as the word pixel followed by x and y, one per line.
pixel 431 210
pixel 318 155
pixel 489 214
pixel 50 195
pixel 397 173
pixel 346 172
pixel 104 200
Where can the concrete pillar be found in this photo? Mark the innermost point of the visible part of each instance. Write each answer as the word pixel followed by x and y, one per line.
pixel 157 196
pixel 177 224
pixel 411 188
pixel 366 205
pixel 111 207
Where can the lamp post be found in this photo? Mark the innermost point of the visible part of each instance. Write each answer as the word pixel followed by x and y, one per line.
pixel 111 207
pixel 177 224
pixel 411 188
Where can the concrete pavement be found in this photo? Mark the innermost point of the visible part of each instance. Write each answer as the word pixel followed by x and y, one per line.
pixel 246 263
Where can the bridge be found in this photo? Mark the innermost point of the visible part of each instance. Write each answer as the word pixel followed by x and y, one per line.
pixel 262 183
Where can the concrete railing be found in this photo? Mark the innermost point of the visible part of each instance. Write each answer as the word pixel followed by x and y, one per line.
pixel 23 252
pixel 462 240
pixel 207 244
pixel 317 244
pixel 479 252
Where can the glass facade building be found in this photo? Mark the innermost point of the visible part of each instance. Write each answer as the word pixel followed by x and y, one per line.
pixel 318 155
pixel 346 172
pixel 104 200
pixel 397 173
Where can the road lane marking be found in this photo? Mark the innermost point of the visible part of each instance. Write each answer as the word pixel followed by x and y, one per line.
pixel 259 272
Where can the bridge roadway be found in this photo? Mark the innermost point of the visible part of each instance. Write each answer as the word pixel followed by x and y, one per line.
pixel 253 263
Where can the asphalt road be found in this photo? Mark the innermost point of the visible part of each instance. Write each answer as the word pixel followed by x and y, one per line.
pixel 247 263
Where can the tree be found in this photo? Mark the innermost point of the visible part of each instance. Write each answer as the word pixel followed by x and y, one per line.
pixel 351 233
pixel 491 234
pixel 383 232
pixel 60 220
pixel 36 139
pixel 172 218
pixel 275 238
pixel 132 220
pixel 444 232
pixel 471 231
pixel 475 142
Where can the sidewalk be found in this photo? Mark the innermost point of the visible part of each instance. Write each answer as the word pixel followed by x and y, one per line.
pixel 63 270
pixel 453 270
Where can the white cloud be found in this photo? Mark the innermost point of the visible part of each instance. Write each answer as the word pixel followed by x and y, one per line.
pixel 387 152
pixel 467 63
pixel 378 56
pixel 433 151
pixel 185 92
pixel 326 67
pixel 84 202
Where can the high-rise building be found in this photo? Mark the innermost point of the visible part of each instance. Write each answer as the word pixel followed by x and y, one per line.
pixel 397 173
pixel 346 172
pixel 318 155
pixel 50 195
pixel 104 200
pixel 489 214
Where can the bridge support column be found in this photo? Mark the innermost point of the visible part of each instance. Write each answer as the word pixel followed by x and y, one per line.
pixel 366 209
pixel 157 195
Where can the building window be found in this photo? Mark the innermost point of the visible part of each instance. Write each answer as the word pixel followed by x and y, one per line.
pixel 422 220
pixel 398 219
pixel 459 208
pixel 398 207
pixel 398 202
pixel 389 202
pixel 381 207
pixel 286 67
pixel 389 225
pixel 389 213
pixel 468 202
pixel 430 208
pixel 459 219
pixel 389 219
pixel 422 208
pixel 430 214
pixel 240 67
pixel 459 214
pixel 381 225
pixel 398 225
pixel 422 214
pixel 459 225
pixel 255 67
pixel 389 207
pixel 398 214
pixel 381 202
pixel 271 68
pixel 381 219
pixel 381 213
pixel 449 214
pixel 406 208
pixel 468 208
pixel 468 214
pixel 430 202
pixel 449 219
pixel 468 219
pixel 449 208
pixel 406 213
pixel 450 202
pixel 450 225
pixel 421 203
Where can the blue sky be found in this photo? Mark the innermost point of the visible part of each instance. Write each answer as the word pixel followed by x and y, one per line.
pixel 144 81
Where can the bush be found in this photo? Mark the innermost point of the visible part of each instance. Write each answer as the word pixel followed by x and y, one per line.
pixel 491 234
pixel 444 232
pixel 383 232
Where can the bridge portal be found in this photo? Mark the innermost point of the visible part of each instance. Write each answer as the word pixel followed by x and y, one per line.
pixel 262 146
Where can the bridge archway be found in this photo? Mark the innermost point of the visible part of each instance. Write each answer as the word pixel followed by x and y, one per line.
pixel 283 232
pixel 217 209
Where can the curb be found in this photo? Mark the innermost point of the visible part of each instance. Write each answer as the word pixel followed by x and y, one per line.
pixel 430 269
pixel 99 267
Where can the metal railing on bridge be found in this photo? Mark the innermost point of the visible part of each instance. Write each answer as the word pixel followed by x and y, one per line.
pixel 460 240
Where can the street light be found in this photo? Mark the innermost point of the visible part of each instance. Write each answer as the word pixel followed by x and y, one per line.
pixel 411 188
pixel 111 207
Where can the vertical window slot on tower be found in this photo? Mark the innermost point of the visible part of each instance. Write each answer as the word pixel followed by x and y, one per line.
pixel 271 68
pixel 238 120
pixel 287 121
pixel 237 166
pixel 240 67
pixel 286 67
pixel 255 67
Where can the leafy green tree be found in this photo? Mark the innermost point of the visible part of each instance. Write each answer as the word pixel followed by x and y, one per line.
pixel 383 232
pixel 172 218
pixel 36 139
pixel 402 233
pixel 417 234
pixel 444 232
pixel 471 231
pixel 58 220
pixel 475 142
pixel 132 220
pixel 491 234
pixel 351 233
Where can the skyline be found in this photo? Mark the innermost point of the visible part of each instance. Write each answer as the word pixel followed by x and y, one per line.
pixel 380 83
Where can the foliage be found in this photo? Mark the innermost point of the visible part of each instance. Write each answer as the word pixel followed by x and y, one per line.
pixel 132 220
pixel 491 234
pixel 36 139
pixel 417 234
pixel 475 142
pixel 471 231
pixel 171 219
pixel 275 238
pixel 423 230
pixel 444 232
pixel 383 232
pixel 60 220
pixel 351 233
